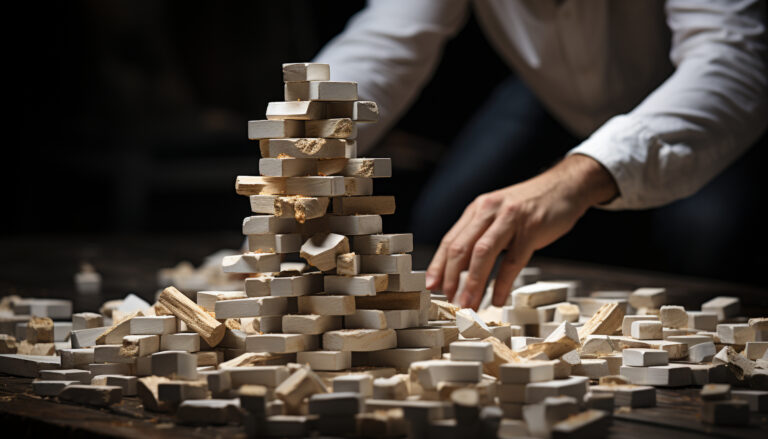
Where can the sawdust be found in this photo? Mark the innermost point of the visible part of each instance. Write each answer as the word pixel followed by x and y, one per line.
pixel 310 146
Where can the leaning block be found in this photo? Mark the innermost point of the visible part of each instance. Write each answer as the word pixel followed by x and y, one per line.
pixel 295 110
pixel 101 396
pixel 321 250
pixel 538 294
pixel 471 325
pixel 301 384
pixel 211 330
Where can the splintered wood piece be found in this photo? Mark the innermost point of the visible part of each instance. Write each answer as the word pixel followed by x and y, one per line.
pixel 471 325
pixel 301 384
pixel 561 341
pixel 270 129
pixel 605 321
pixel 321 250
pixel 313 186
pixel 140 345
pixel 360 111
pixel 368 167
pixel 295 110
pixel 347 264
pixel 383 244
pixel 355 224
pixel 298 207
pixel 320 91
pixel 673 316
pixel 306 71
pixel 359 340
pixel 502 354
pixel 115 334
pixel 40 330
pixel 305 148
pixel 195 317
pixel 341 128
pixel 251 263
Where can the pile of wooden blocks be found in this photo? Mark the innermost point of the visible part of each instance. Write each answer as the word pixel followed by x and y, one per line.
pixel 333 333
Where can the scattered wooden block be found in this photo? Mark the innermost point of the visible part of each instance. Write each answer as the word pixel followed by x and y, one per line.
pixel 39 330
pixel 715 392
pixel 471 351
pixel 355 224
pixel 152 325
pixel 358 383
pixel 310 323
pixel 295 110
pixel 27 365
pixel 87 320
pixel 672 375
pixel 756 350
pixel 430 372
pixel 312 186
pixel 724 306
pixel 566 312
pixel 593 368
pixel 397 263
pixel 325 360
pixel 320 91
pixel 341 128
pixel 132 346
pixel 251 263
pixel 295 72
pixel 301 384
pixel 77 375
pixel 125 382
pixel 253 306
pixel 269 224
pixel 101 396
pixel 372 168
pixel 673 316
pixel 645 357
pixel 628 395
pixel 538 294
pixel 731 412
pixel 115 333
pixel 321 250
pixel 50 387
pixel 270 129
pixel 540 418
pixel 702 352
pixel 327 305
pixel 392 388
pixel 626 325
pixel 471 325
pixel 361 111
pixel 648 298
pixel 420 338
pixel 735 333
pixel 359 340
pixel 301 208
pixel 56 309
pixel 348 264
pixel 562 340
pixel 703 320
pixel 281 343
pixel 383 244
pixel 335 404
pixel 574 386
pixel 647 330
pixel 527 372
pixel 605 321
pixel 209 411
pixel 175 364
pixel 757 399
pixel 7 344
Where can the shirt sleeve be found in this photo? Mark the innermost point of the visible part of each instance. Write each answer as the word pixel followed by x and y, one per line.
pixel 391 48
pixel 702 118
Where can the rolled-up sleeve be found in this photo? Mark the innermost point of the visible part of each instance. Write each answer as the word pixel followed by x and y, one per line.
pixel 702 118
pixel 391 48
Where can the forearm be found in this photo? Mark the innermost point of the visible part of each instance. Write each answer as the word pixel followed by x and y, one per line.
pixel 579 179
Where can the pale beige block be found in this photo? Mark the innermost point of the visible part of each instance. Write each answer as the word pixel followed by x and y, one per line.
pixel 756 350
pixel 352 225
pixel 342 128
pixel 207 299
pixel 301 208
pixel 281 343
pixel 153 325
pixel 431 372
pixel 538 294
pixel 327 305
pixel 646 330
pixel 673 316
pixel 347 264
pixel 359 340
pixel 301 384
pixel 304 148
pixel 253 306
pixel 357 186
pixel 326 360
pixel 140 345
pixel 366 319
pixel 368 167
pixel 310 323
pixel 293 286
pixel 295 110
pixel 40 330
pixel 320 91
pixel 312 186
pixel 270 129
pixel 605 321
pixel 703 320
pixel 626 325
pixel 648 298
pixel 288 167
pixel 251 263
pixel 724 306
pixel 280 243
pixel 86 320
pixel 399 263
pixel 269 224
pixel 383 244
pixel 361 285
pixel 361 111
pixel 735 333
pixel 294 72
pixel 364 205
pixel 413 281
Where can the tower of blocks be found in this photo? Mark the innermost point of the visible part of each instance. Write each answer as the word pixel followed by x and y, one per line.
pixel 323 283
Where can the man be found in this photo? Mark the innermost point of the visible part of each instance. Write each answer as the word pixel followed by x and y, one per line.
pixel 669 93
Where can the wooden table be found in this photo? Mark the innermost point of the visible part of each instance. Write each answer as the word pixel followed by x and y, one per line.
pixel 43 266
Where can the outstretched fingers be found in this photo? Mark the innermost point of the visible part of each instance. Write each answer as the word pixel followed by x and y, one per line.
pixel 517 257
pixel 484 255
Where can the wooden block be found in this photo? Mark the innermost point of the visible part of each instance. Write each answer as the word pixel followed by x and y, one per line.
pixel 566 312
pixel 690 340
pixel 756 350
pixel 672 375
pixel 251 263
pixel 676 350
pixel 27 348
pixel 702 352
pixel 420 338
pixel 399 263
pixel 327 305
pixel 429 373
pixel 320 91
pixel 207 299
pixel 404 318
pixel 187 341
pixel 326 360
pixel 626 325
pixel 135 346
pixel 39 330
pixel 724 306
pixel 528 372
pixel 281 343
pixel 392 388
pixel 413 281
pixel 42 387
pixel 310 323
pixel 538 294
pixel 362 285
pixel 738 364
pixel 574 386
pixel 7 344
pixel 115 333
pixel 311 186
pixel 366 319
pixel 301 384
pixel 175 364
pixel 152 325
pixel 389 300
pixel 359 340
pixel 287 167
pixel 295 110
pixel 27 365
pixel 355 225
pixel 645 357
pixel 715 392
pixel 369 167
pixel 341 128
pixel 56 309
pixel 321 250
pixel 592 368
pixel 292 286
pixel 295 72
pixel 175 392
pixel 646 330
pixel 648 298
pixel 735 333
pixel 101 396
pixel 731 412
pixel 305 148
pixel 562 340
pixel 196 319
pixel 361 111
pixel 605 321
pixel 357 186
pixel 383 244
pixel 335 404
pixel 86 320
pixel 209 411
pixel 77 375
pixel 357 383
pixel 704 320
pixel 300 208
pixel 471 325
pixel 628 395
pixel 673 316
pixel 253 306
pixel 269 224
pixel 348 264
pixel 757 399
pixel 270 129
pixel 541 418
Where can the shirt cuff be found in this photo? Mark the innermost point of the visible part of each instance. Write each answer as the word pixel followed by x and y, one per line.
pixel 621 146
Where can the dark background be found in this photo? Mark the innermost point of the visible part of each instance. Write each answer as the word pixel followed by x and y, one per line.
pixel 129 118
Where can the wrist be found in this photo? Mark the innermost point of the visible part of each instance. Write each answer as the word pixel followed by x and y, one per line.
pixel 589 180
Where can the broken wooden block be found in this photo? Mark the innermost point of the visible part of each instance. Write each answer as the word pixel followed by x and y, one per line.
pixel 740 366
pixel 312 186
pixel 310 323
pixel 348 264
pixel 301 208
pixel 471 325
pixel 301 384
pixel 735 333
pixel 724 306
pixel 359 340
pixel 351 225
pixel 383 244
pixel 211 330
pixel 140 345
pixel 296 72
pixel 39 330
pixel 114 334
pixel 562 340
pixel 320 91
pixel 270 129
pixel 321 250
pixel 392 388
pixel 251 263
pixel 360 111
pixel 303 148
pixel 527 372
pixel 605 321
pixel 340 128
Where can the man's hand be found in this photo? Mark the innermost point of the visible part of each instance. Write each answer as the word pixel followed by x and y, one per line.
pixel 521 219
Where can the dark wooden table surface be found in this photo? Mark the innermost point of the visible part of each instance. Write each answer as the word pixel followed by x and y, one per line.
pixel 44 265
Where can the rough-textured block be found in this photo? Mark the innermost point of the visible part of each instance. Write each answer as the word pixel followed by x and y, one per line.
pixel 340 128
pixel 392 388
pixel 27 365
pixel 211 330
pixel 383 244
pixel 86 320
pixel 646 330
pixel 673 316
pixel 471 325
pixel 39 330
pixel 301 384
pixel 348 264
pixel 359 340
pixel 321 250
pixel 310 323
pixel 278 243
pixel 735 333
pixel 312 186
pixel 251 263
pixel 304 148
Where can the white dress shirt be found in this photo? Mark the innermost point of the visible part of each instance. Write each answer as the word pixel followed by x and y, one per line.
pixel 669 93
